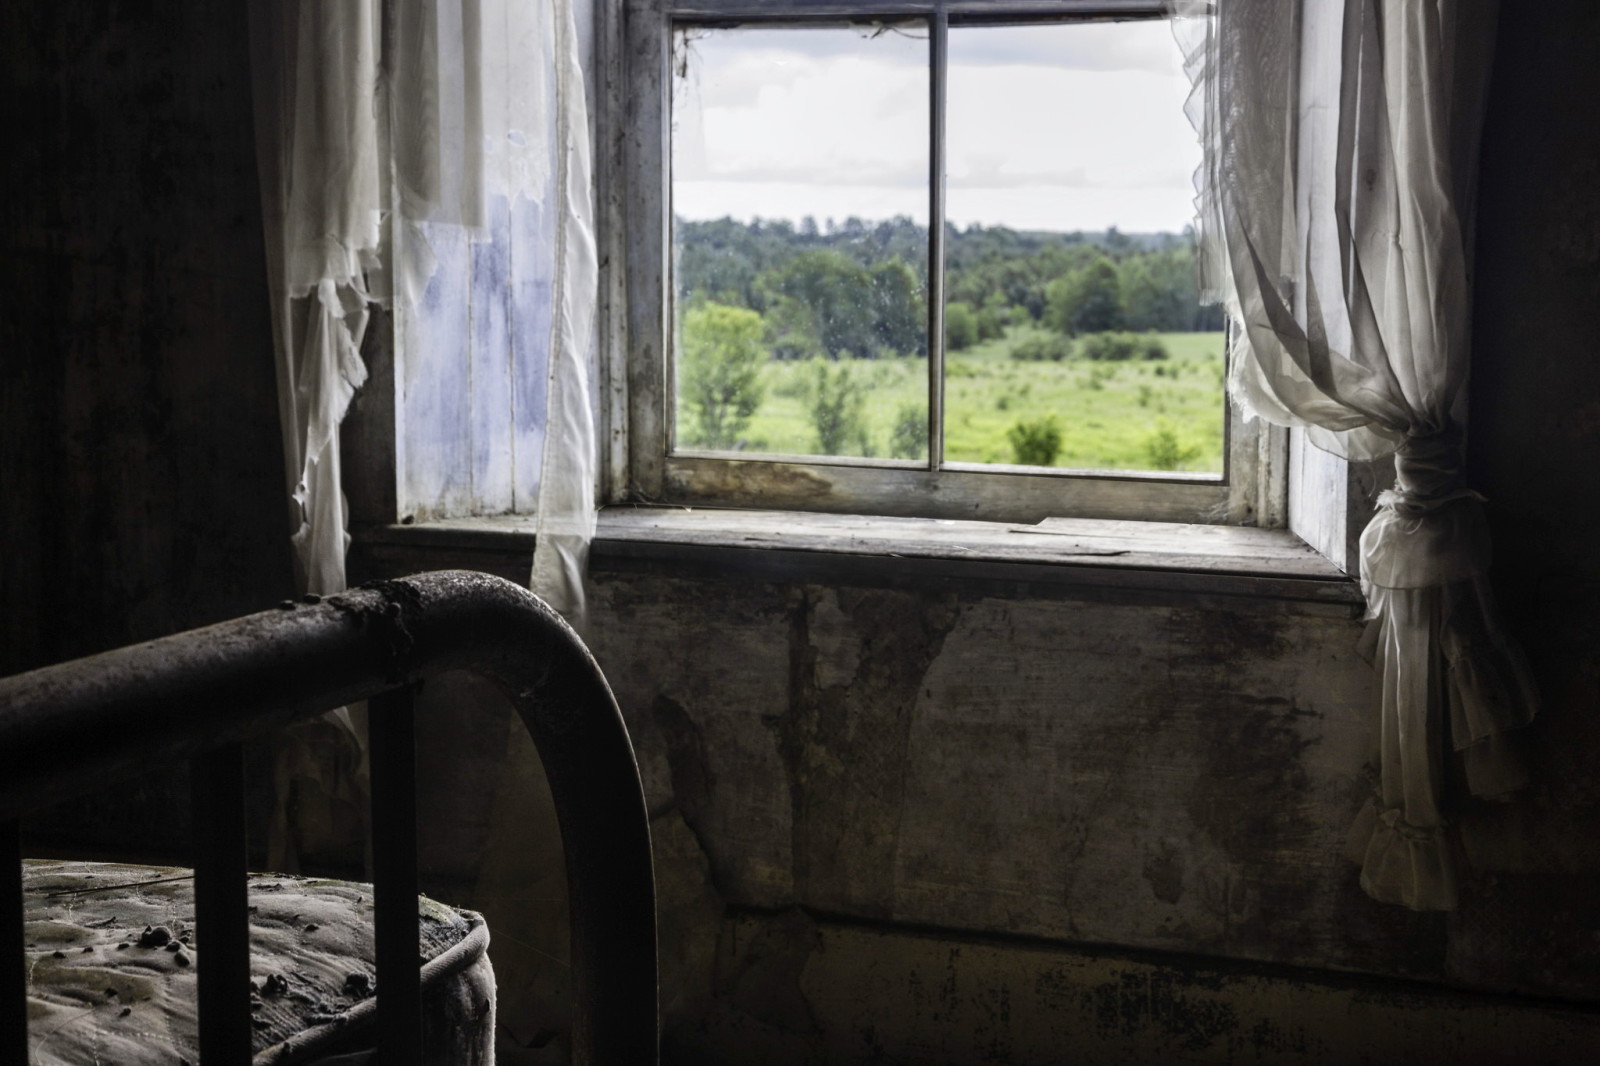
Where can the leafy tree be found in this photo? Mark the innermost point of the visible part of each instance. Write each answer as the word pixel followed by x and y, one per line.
pixel 854 309
pixel 899 312
pixel 838 411
pixel 990 268
pixel 719 371
pixel 989 327
pixel 791 330
pixel 838 293
pixel 1087 300
pixel 1160 291
pixel 960 326
pixel 1035 442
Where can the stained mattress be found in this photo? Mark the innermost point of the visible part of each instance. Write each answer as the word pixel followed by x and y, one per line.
pixel 112 950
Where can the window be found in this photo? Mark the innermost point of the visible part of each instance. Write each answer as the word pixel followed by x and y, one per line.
pixel 924 263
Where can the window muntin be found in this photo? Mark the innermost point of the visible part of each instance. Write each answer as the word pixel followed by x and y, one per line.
pixel 664 468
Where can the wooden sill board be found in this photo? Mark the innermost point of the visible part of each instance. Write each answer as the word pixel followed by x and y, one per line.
pixel 1228 560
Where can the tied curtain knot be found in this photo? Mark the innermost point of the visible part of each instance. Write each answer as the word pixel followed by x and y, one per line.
pixel 1430 528
pixel 1427 473
pixel 1394 820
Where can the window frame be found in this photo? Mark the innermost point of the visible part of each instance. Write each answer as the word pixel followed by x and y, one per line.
pixel 636 335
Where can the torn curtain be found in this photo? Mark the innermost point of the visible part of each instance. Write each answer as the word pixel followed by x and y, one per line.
pixel 383 127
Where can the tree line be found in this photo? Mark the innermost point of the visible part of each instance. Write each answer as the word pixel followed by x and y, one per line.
pixel 857 289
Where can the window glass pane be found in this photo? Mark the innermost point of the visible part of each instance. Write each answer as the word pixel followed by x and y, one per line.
pixel 799 200
pixel 1074 338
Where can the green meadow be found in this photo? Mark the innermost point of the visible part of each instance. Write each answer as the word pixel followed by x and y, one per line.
pixel 1127 415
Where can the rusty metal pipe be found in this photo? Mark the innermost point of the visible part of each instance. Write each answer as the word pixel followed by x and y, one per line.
pixel 67 730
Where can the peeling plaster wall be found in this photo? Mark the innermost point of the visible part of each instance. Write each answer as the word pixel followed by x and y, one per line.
pixel 1166 777
pixel 1172 777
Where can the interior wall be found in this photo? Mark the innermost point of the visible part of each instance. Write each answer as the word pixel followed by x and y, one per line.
pixel 142 461
pixel 1534 450
pixel 141 472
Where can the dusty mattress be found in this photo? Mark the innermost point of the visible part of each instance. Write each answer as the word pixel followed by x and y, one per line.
pixel 112 950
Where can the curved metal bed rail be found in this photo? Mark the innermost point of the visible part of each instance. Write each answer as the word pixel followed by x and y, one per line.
pixel 67 730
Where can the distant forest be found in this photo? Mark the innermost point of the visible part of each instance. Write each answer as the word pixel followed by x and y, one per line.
pixel 856 289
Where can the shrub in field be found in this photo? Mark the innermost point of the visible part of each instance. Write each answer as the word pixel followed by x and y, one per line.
pixel 1153 348
pixel 1041 347
pixel 720 371
pixel 1165 451
pixel 909 438
pixel 1035 442
pixel 1097 378
pixel 838 411
pixel 1118 346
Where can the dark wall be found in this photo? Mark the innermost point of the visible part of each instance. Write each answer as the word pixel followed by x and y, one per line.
pixel 1534 451
pixel 141 461
pixel 141 477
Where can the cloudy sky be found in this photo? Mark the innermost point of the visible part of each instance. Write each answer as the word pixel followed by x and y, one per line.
pixel 1060 127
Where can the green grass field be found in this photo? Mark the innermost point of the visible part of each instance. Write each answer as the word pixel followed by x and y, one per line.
pixel 1111 415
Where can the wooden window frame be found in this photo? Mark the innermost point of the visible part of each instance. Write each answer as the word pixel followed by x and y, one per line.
pixel 634 176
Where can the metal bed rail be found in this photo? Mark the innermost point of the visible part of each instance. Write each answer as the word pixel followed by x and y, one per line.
pixel 71 729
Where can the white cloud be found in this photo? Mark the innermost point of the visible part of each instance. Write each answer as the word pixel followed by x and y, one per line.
pixel 846 112
pixel 785 123
pixel 1146 45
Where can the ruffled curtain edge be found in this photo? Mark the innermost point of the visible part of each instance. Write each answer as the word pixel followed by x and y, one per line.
pixel 1465 685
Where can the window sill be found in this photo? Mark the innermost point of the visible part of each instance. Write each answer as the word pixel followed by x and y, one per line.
pixel 1073 557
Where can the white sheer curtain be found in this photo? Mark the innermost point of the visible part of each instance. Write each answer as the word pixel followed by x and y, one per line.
pixel 487 103
pixel 322 197
pixel 381 124
pixel 1340 142
pixel 417 114
pixel 566 515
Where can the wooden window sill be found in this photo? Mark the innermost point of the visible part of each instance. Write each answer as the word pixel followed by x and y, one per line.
pixel 1112 558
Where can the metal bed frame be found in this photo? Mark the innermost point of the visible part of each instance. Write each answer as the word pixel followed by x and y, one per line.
pixel 71 729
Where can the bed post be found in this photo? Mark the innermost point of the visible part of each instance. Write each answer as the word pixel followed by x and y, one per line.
pixel 14 949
